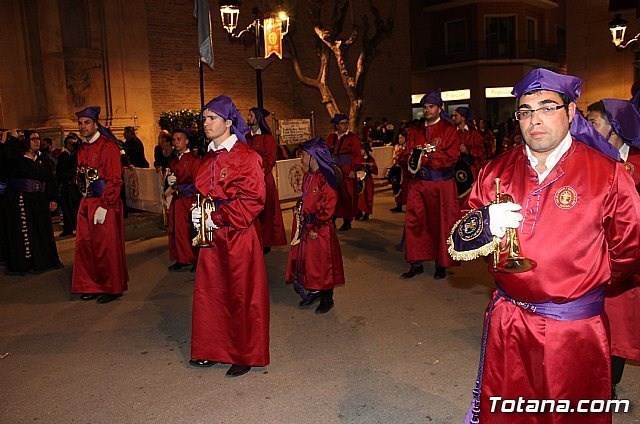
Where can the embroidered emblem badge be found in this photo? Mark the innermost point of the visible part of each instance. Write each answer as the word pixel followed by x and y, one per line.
pixel 436 141
pixel 566 197
pixel 94 158
pixel 223 174
pixel 629 167
pixel 471 226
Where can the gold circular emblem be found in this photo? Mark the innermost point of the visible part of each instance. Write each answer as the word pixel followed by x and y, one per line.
pixel 629 167
pixel 273 38
pixel 566 197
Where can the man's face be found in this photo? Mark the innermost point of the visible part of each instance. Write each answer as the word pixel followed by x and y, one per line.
pixel 543 133
pixel 457 119
pixel 34 142
pixel 251 119
pixel 87 127
pixel 180 142
pixel 431 112
pixel 599 122
pixel 128 134
pixel 214 126
pixel 343 126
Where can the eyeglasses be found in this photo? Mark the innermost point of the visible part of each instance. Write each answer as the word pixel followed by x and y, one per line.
pixel 523 115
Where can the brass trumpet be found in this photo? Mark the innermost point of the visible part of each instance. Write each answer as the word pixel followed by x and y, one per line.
pixel 297 218
pixel 204 236
pixel 415 159
pixel 514 262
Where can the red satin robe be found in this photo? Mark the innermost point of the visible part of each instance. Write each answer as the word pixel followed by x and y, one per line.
pixel 348 144
pixel 100 264
pixel 179 219
pixel 231 294
pixel 365 199
pixel 432 206
pixel 582 227
pixel 317 259
pixel 473 141
pixel 622 303
pixel 271 222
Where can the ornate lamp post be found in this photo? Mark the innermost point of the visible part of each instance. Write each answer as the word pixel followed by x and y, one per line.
pixel 273 28
pixel 618 26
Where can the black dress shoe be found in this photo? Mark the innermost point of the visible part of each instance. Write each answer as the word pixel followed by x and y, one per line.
pixel 396 209
pixel 346 225
pixel 177 266
pixel 413 271
pixel 202 363
pixel 193 268
pixel 314 296
pixel 65 234
pixel 89 296
pixel 266 250
pixel 237 370
pixel 365 217
pixel 441 272
pixel 108 297
pixel 324 306
pixel 359 216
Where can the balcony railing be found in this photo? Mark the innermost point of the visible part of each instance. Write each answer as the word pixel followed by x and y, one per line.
pixel 490 50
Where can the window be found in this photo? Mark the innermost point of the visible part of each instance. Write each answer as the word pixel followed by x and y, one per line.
pixel 532 34
pixel 456 36
pixel 500 36
pixel 561 40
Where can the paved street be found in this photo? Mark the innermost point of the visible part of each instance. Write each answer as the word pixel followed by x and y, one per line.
pixel 391 351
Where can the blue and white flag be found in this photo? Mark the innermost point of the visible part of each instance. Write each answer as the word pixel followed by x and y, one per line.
pixel 201 13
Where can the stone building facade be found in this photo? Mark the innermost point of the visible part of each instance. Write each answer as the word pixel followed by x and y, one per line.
pixel 138 58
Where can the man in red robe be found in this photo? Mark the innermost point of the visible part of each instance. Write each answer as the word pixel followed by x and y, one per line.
pixel 262 141
pixel 345 148
pixel 471 141
pixel 575 212
pixel 99 269
pixel 184 168
pixel 619 122
pixel 432 200
pixel 231 296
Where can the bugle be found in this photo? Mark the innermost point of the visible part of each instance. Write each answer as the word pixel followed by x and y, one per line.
pixel 510 243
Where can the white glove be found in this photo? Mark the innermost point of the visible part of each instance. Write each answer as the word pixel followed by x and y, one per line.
pixel 503 216
pixel 171 179
pixel 99 215
pixel 196 215
pixel 209 209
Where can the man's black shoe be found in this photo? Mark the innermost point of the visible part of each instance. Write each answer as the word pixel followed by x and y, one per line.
pixel 193 268
pixel 325 306
pixel 396 209
pixel 89 296
pixel 202 363
pixel 365 217
pixel 108 297
pixel 413 271
pixel 177 266
pixel 314 296
pixel 346 225
pixel 441 272
pixel 237 370
pixel 359 216
pixel 65 234
pixel 266 250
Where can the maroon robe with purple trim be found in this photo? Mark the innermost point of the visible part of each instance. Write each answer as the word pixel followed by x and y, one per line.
pixel 231 295
pixel 348 144
pixel 100 264
pixel 582 227
pixel 271 223
pixel 317 258
pixel 622 303
pixel 179 220
pixel 432 206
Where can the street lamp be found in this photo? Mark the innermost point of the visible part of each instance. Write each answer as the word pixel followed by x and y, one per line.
pixel 618 26
pixel 274 28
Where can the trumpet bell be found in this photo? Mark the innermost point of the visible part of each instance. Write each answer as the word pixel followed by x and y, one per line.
pixel 516 265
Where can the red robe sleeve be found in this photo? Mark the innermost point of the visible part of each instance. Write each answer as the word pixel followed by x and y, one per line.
pixel 111 171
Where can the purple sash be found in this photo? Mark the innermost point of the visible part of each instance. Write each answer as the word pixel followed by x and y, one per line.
pixel 344 159
pixel 428 174
pixel 27 185
pixel 587 306
pixel 96 188
pixel 186 190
